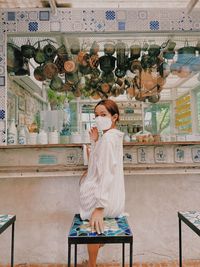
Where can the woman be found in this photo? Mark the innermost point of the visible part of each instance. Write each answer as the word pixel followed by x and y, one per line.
pixel 102 191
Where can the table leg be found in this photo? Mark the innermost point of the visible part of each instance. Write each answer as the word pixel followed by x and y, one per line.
pixel 75 255
pixel 180 244
pixel 69 254
pixel 123 253
pixel 131 253
pixel 12 244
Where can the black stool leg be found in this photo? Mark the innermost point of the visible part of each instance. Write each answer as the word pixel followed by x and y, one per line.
pixel 75 255
pixel 180 244
pixel 123 253
pixel 69 254
pixel 12 244
pixel 131 253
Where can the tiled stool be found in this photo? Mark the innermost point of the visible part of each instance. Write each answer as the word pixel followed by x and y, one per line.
pixel 5 222
pixel 191 219
pixel 116 230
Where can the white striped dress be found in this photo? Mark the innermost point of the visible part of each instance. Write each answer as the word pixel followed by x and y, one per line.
pixel 103 186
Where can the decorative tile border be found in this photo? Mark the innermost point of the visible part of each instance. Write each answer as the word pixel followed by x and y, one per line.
pixel 91 20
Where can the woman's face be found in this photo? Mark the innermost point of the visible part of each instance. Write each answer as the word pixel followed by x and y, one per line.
pixel 101 110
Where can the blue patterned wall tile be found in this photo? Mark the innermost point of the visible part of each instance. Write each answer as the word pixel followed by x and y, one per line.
pixel 2 136
pixel 2 80
pixel 154 25
pixel 110 15
pixel 121 25
pixel 44 26
pixel 142 14
pixel 76 15
pixel 77 26
pixel 196 25
pixel 100 26
pixel 196 154
pixel 111 26
pixel 121 15
pixel 66 26
pixel 11 27
pixel 11 16
pixel 55 26
pixel 33 26
pixel 22 16
pixel 2 70
pixel 44 15
pixel 2 114
pixel 33 15
pixel 65 15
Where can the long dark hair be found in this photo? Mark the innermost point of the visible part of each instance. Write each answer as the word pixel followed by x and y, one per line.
pixel 110 105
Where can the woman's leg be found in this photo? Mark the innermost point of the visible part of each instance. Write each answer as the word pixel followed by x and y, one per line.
pixel 93 252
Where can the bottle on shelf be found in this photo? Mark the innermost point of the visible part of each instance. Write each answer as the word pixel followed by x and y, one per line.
pixel 22 135
pixel 65 133
pixel 12 133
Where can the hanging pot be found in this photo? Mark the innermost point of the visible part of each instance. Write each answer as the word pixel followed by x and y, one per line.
pixel 75 46
pixel 175 68
pixel 136 66
pixel 62 53
pixel 72 78
pixel 84 69
pixel 24 70
pixel 56 84
pixel 186 54
pixel 184 71
pixel 154 50
pixel 169 52
pixel 14 58
pixel 49 51
pixel 135 51
pixel 94 48
pixel 95 72
pixel 130 92
pixel 39 56
pixel 94 61
pixel 59 62
pixel 107 63
pixel 154 98
pixel 108 77
pixel 28 51
pixel 50 70
pixel 70 66
pixel 39 74
pixel 109 49
pixel 195 64
pixel 121 55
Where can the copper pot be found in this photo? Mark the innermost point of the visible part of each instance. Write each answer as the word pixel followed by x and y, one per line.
pixel 39 74
pixel 50 70
pixel 70 66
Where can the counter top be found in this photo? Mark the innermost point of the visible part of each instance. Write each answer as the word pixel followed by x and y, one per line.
pixel 66 171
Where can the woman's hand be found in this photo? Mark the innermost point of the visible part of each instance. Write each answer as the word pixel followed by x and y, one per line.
pixel 94 134
pixel 96 220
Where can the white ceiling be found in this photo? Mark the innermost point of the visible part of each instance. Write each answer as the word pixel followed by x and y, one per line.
pixel 187 4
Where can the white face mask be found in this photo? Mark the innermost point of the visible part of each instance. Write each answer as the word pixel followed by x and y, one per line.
pixel 103 123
